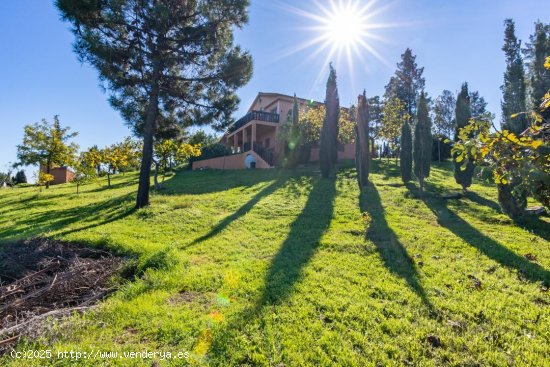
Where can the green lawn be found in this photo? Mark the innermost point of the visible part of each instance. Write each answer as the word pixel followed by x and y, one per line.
pixel 276 268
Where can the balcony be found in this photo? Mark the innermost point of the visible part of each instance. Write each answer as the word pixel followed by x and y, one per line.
pixel 254 115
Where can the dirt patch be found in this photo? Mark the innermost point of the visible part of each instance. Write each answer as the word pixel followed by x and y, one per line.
pixel 41 278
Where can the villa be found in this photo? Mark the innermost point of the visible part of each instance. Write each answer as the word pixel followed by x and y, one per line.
pixel 253 138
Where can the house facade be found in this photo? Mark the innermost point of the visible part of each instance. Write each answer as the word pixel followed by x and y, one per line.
pixel 253 138
pixel 60 175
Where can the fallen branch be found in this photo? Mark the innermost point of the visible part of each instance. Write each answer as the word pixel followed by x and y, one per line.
pixel 55 313
pixel 13 339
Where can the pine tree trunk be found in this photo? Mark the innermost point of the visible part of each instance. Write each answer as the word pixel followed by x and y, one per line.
pixel 108 179
pixel 148 135
pixel 439 149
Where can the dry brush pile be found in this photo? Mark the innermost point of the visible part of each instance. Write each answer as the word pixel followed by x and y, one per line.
pixel 44 278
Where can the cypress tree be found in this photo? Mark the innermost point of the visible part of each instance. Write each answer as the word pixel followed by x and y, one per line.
pixel 329 134
pixel 539 76
pixel 20 177
pixel 463 177
pixel 406 152
pixel 422 143
pixel 362 153
pixel 512 196
pixel 513 89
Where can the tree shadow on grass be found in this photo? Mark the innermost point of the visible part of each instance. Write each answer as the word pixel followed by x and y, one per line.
pixel 392 251
pixel 210 181
pixel 220 226
pixel 535 225
pixel 476 198
pixel 301 243
pixel 284 271
pixel 89 216
pixel 488 246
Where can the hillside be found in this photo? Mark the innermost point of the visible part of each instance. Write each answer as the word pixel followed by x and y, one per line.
pixel 277 268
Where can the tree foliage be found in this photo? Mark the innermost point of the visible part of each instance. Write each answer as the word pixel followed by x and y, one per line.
pixel 20 177
pixel 444 119
pixel 520 163
pixel 163 61
pixel 444 114
pixel 407 84
pixel 170 152
pixel 463 172
pixel 84 172
pixel 536 50
pixel 291 135
pixel 311 123
pixel 47 144
pixel 513 89
pixel 5 179
pixel 44 179
pixel 375 116
pixel 478 105
pixel 92 158
pixel 394 115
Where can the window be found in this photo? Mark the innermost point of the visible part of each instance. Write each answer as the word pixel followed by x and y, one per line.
pixel 267 143
pixel 273 110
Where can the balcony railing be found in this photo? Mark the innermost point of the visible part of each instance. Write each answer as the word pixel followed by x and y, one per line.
pixel 255 115
pixel 267 154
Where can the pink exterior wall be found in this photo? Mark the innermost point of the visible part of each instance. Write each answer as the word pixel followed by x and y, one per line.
pixel 348 153
pixel 262 135
pixel 60 175
pixel 235 161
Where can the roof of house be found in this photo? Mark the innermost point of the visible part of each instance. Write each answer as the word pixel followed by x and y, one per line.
pixel 282 96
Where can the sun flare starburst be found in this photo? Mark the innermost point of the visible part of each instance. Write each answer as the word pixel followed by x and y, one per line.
pixel 344 28
pixel 343 31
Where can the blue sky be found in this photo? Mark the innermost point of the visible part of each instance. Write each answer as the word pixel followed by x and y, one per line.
pixel 454 40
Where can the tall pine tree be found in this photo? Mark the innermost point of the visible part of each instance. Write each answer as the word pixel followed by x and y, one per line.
pixel 328 152
pixel 536 52
pixel 511 195
pixel 463 113
pixel 422 142
pixel 513 89
pixel 162 58
pixel 478 106
pixel 408 83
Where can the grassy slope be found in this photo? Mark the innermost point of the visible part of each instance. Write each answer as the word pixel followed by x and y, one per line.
pixel 273 268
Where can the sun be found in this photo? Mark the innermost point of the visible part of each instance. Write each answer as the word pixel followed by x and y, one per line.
pixel 346 27
pixel 345 32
